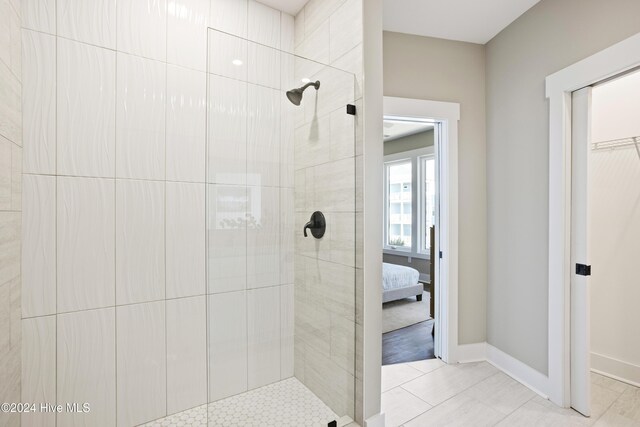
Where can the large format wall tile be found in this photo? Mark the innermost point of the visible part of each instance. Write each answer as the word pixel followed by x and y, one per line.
pixel 317 12
pixel 39 246
pixel 263 66
pixel 86 243
pixel 140 129
pixel 185 239
pixel 316 45
pixel 287 331
pixel 227 131
pixel 263 138
pixel 142 28
pixel 345 28
pixel 5 174
pixel 140 263
pixel 186 353
pixel 332 191
pixel 337 90
pixel 186 124
pixel 332 384
pixel 16 177
pixel 39 102
pixel 312 143
pixel 227 55
pixel 92 22
pixel 86 110
pixel 141 363
pixel 287 235
pixel 5 320
pixel 229 16
pixel 39 15
pixel 263 236
pixel 287 32
pixel 86 358
pixel 264 24
pixel 263 307
pixel 187 33
pixel 10 37
pixel 287 129
pixel 227 344
pixel 39 368
pixel 10 105
pixel 227 238
pixel 10 242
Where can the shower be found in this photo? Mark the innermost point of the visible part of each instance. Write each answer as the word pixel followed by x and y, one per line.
pixel 295 95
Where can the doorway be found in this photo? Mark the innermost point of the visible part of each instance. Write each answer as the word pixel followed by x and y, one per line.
pixel 444 117
pixel 410 214
pixel 605 223
pixel 614 60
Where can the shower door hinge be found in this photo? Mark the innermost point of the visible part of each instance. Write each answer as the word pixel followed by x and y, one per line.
pixel 583 270
pixel 351 109
pixel 440 254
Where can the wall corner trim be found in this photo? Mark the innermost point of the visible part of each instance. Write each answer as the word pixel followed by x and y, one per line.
pixel 377 420
pixel 524 374
pixel 476 352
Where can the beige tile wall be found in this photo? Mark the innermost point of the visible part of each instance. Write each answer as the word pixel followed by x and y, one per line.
pixel 10 207
pixel 328 159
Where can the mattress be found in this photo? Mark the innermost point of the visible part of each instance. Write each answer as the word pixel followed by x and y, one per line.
pixel 398 276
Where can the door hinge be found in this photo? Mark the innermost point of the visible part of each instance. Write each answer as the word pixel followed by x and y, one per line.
pixel 440 254
pixel 583 270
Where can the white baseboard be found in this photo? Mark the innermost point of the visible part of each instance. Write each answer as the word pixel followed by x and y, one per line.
pixel 511 366
pixel 476 352
pixel 616 369
pixel 375 421
pixel 524 374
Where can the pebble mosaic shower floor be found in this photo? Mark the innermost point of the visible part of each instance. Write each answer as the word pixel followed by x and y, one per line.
pixel 285 403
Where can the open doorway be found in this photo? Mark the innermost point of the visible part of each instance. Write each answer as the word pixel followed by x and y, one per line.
pixel 410 194
pixel 605 225
pixel 439 183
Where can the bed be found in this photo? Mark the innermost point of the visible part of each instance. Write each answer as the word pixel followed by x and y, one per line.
pixel 400 282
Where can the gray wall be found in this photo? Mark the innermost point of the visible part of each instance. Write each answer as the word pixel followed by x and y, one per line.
pixel 10 208
pixel 550 36
pixel 408 143
pixel 444 70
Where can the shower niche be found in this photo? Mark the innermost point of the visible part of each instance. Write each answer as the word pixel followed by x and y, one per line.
pixel 281 308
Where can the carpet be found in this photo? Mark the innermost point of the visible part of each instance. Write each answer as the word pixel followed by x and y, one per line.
pixel 405 312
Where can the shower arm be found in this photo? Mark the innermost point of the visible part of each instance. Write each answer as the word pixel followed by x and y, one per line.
pixel 315 84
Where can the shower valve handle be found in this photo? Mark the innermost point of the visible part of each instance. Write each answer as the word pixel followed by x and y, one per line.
pixel 317 225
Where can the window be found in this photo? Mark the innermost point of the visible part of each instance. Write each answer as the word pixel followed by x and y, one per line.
pixel 428 201
pixel 399 199
pixel 410 202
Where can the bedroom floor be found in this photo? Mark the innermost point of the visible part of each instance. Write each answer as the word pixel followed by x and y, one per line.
pixel 408 344
pixel 431 393
pixel 407 328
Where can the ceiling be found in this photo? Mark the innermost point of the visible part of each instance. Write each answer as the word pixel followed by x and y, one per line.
pixel 292 7
pixel 394 129
pixel 475 21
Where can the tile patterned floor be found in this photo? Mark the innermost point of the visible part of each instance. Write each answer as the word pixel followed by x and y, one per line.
pixel 431 393
pixel 286 403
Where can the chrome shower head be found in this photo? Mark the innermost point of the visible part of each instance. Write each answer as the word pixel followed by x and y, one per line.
pixel 295 95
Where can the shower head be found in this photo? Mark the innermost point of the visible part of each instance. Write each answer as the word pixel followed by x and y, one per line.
pixel 295 95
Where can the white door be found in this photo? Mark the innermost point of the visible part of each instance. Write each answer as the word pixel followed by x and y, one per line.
pixel 580 266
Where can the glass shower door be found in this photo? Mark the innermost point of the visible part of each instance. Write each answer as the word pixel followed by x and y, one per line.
pixel 281 312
